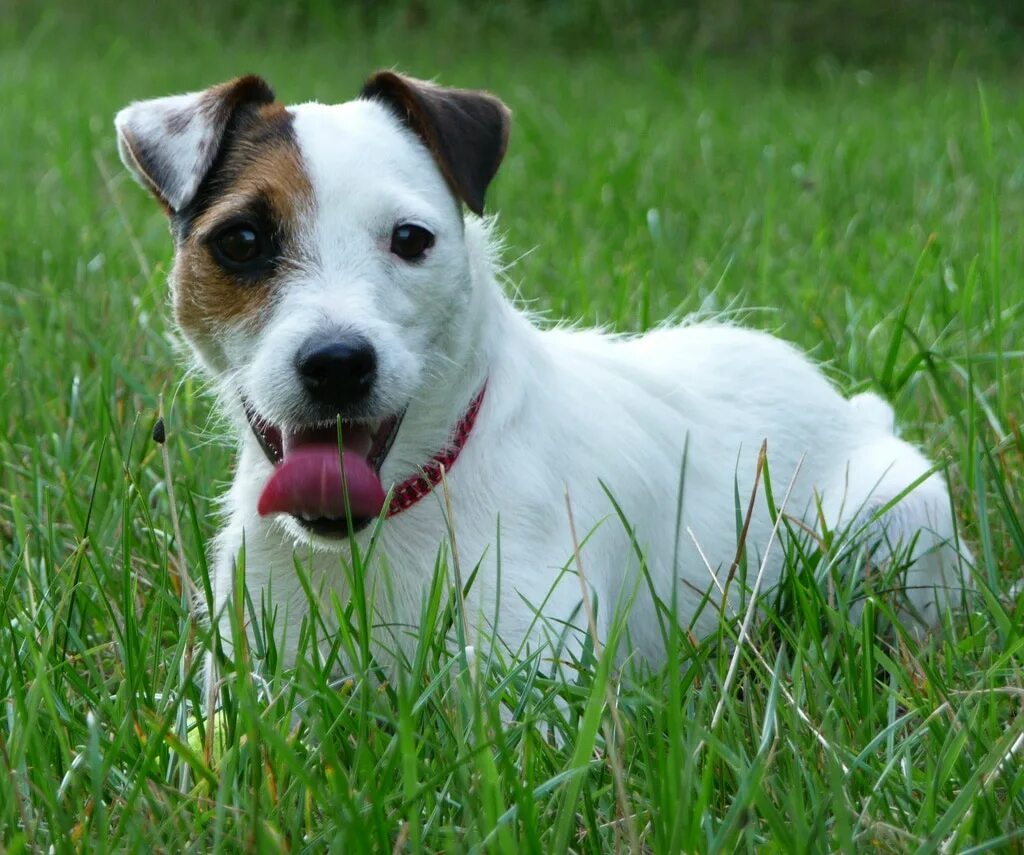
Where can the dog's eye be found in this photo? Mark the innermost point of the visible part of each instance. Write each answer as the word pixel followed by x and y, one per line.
pixel 238 246
pixel 410 242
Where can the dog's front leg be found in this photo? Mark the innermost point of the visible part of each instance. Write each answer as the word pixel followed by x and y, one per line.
pixel 256 595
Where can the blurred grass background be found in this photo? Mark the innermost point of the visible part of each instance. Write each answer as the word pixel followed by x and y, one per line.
pixel 846 173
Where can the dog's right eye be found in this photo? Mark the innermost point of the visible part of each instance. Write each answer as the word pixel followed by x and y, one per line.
pixel 410 242
pixel 239 247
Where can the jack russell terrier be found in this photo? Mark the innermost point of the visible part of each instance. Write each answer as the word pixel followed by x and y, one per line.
pixel 384 387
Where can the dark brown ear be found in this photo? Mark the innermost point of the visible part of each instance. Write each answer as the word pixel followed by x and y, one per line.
pixel 169 144
pixel 465 130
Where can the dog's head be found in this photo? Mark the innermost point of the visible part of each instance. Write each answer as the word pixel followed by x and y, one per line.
pixel 321 267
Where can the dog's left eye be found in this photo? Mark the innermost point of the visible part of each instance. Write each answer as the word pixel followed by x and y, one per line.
pixel 410 242
pixel 239 246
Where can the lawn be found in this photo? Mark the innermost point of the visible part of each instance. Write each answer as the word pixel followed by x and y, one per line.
pixel 866 207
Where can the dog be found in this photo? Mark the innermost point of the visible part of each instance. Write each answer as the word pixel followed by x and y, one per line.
pixel 334 276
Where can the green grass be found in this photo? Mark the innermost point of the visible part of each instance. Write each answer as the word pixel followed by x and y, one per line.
pixel 872 216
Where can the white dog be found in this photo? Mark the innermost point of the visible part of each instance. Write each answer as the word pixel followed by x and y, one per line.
pixel 328 281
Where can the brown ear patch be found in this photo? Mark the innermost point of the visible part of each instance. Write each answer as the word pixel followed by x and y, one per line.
pixel 465 130
pixel 169 144
pixel 218 103
pixel 258 176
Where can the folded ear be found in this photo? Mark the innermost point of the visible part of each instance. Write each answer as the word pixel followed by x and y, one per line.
pixel 465 130
pixel 169 144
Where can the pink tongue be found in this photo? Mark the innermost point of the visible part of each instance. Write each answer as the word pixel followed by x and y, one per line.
pixel 308 482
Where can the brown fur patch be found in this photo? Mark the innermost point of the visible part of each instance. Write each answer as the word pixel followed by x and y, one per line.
pixel 257 176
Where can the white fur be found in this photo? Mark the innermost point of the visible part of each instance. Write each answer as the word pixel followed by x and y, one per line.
pixel 566 411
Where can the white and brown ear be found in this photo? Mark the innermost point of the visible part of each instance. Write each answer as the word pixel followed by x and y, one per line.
pixel 169 144
pixel 465 130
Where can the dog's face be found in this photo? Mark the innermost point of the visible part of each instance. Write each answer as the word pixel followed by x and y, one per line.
pixel 320 266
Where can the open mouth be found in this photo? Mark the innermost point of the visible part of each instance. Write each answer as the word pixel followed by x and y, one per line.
pixel 315 476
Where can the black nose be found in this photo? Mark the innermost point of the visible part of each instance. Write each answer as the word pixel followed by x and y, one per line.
pixel 338 373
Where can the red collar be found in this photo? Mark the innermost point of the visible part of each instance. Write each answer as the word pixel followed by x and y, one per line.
pixel 412 489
